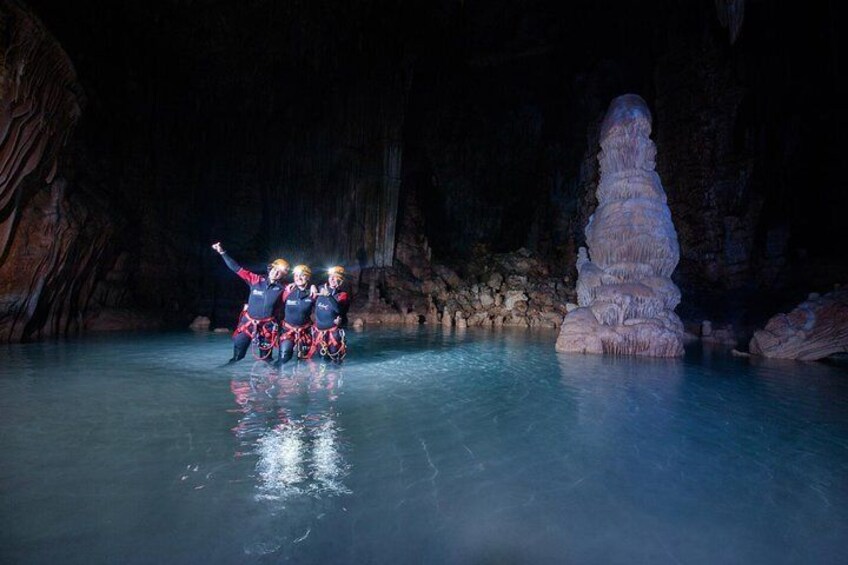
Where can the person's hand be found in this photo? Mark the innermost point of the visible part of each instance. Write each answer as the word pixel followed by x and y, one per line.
pixel 325 291
pixel 290 287
pixel 217 247
pixel 338 320
pixel 313 291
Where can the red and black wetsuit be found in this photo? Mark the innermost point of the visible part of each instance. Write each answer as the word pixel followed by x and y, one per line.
pixel 327 336
pixel 259 316
pixel 299 304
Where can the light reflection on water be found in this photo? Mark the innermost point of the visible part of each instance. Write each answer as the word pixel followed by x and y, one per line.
pixel 288 421
pixel 426 446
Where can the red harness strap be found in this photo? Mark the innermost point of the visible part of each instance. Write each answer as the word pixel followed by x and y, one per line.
pixel 263 332
pixel 323 340
pixel 299 335
pixel 249 325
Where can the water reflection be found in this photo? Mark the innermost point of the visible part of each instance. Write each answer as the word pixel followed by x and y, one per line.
pixel 618 388
pixel 289 420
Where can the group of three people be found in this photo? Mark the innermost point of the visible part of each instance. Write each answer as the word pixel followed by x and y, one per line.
pixel 279 315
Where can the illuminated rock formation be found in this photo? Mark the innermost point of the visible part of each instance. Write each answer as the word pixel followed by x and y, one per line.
pixel 816 329
pixel 50 244
pixel 624 289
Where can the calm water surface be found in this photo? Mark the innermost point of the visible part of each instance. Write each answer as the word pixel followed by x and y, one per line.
pixel 426 447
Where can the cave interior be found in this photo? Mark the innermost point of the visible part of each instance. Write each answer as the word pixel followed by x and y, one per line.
pixel 409 142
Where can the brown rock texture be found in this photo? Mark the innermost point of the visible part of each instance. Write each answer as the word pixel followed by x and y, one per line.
pixel 816 329
pixel 39 106
pixel 54 243
pixel 624 290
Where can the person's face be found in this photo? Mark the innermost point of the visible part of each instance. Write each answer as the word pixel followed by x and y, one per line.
pixel 300 279
pixel 277 274
pixel 335 281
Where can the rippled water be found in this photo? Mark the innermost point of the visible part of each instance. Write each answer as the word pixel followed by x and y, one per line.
pixel 426 447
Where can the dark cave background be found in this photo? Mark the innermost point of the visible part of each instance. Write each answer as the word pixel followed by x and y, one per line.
pixel 338 132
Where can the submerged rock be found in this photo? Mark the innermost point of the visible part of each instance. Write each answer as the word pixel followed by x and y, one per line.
pixel 625 294
pixel 816 329
pixel 200 324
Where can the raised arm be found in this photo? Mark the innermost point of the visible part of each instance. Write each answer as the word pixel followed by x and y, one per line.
pixel 244 274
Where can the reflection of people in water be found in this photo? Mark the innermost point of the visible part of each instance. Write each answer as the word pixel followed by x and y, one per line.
pixel 289 420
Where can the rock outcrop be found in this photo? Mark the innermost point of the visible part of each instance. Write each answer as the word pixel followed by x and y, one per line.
pixel 54 241
pixel 816 329
pixel 511 289
pixel 624 289
pixel 514 289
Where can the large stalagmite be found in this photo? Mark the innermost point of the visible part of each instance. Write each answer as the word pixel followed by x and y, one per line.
pixel 624 289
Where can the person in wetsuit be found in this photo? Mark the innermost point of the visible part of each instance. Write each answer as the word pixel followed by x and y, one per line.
pixel 299 302
pixel 328 338
pixel 257 320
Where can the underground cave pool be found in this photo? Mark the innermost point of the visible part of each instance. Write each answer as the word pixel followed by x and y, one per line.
pixel 427 446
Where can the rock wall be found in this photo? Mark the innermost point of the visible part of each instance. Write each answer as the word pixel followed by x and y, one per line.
pixel 51 241
pixel 39 106
pixel 697 111
pixel 61 266
pixel 624 289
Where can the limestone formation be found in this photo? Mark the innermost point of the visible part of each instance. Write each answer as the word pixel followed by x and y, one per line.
pixel 816 329
pixel 39 106
pixel 625 294
pixel 54 242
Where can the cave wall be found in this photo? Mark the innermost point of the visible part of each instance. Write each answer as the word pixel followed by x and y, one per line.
pixel 752 181
pixel 499 117
pixel 267 126
pixel 54 241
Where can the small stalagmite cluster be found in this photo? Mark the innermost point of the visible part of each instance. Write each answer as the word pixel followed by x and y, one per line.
pixel 624 291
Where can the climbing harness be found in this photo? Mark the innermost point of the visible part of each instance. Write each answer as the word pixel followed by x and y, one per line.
pixel 330 343
pixel 300 337
pixel 264 334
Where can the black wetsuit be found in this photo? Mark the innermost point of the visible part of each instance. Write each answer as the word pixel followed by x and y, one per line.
pixel 299 304
pixel 262 302
pixel 327 309
pixel 327 336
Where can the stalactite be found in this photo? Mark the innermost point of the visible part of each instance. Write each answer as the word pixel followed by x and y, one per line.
pixel 730 15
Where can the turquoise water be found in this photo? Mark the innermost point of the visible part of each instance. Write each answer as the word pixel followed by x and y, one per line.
pixel 426 447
